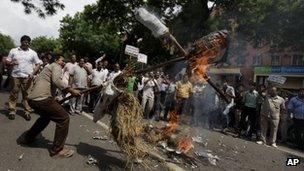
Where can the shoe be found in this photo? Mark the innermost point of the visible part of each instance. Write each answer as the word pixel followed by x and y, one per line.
pixel 27 117
pixel 11 116
pixel 260 142
pixel 225 130
pixel 64 153
pixel 274 145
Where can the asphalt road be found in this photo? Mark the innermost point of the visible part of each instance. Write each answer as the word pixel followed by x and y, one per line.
pixel 233 153
pixel 37 157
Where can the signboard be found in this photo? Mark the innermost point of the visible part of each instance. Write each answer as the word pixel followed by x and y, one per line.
pixel 277 79
pixel 142 58
pixel 132 51
pixel 296 70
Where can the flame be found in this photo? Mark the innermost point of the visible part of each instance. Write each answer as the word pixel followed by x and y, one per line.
pixel 172 123
pixel 185 144
pixel 205 51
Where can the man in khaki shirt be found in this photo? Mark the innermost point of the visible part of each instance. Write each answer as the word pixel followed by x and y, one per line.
pixel 41 99
pixel 271 109
pixel 183 91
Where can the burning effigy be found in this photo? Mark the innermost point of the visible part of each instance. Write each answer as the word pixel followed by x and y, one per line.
pixel 128 128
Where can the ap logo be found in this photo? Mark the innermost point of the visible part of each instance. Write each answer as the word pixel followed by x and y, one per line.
pixel 292 161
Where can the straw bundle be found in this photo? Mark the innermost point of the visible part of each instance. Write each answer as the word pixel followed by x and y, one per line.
pixel 127 126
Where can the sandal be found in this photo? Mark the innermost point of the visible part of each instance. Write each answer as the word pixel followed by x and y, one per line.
pixel 64 153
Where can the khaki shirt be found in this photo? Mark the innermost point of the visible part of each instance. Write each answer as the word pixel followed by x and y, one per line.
pixel 272 107
pixel 184 89
pixel 47 82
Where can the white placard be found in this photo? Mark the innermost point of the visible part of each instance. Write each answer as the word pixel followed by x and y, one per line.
pixel 277 79
pixel 142 58
pixel 132 51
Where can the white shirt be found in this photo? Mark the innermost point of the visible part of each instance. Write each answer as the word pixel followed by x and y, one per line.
pixel 80 77
pixel 67 71
pixel 164 87
pixel 26 62
pixel 99 77
pixel 171 88
pixel 113 75
pixel 148 89
pixel 231 92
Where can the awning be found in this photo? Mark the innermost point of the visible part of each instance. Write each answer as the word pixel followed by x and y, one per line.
pixel 225 71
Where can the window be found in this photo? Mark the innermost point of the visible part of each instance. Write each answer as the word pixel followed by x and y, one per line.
pixel 257 60
pixel 298 60
pixel 275 60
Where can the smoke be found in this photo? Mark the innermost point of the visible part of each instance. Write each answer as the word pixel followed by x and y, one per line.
pixel 150 21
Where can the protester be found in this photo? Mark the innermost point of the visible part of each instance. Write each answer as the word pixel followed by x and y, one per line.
pixel 239 94
pixel 147 102
pixel 132 81
pixel 89 68
pixel 284 123
pixel 296 112
pixel 87 64
pixel 228 112
pixel 250 110
pixel 99 76
pixel 108 93
pixel 68 69
pixel 25 64
pixel 114 73
pixel 169 99
pixel 2 66
pixel 157 96
pixel 260 100
pixel 271 110
pixel 43 102
pixel 78 80
pixel 184 89
pixel 201 105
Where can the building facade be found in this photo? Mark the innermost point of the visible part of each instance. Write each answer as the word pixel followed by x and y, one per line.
pixel 257 64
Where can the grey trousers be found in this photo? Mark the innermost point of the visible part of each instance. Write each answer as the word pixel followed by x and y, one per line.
pixel 150 100
pixel 76 104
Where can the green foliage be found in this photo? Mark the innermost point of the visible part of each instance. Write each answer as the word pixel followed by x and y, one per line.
pixel 42 7
pixel 84 37
pixel 6 44
pixel 277 23
pixel 43 44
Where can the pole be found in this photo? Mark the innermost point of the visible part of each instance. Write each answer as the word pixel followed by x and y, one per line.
pixel 160 65
pixel 221 93
pixel 178 45
pixel 82 92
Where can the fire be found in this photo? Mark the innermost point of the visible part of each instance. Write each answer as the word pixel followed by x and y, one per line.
pixel 185 144
pixel 172 123
pixel 205 51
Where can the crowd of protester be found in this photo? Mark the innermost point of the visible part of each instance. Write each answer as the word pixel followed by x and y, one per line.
pixel 256 112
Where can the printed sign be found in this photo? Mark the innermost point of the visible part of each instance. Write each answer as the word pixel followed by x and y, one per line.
pixel 132 51
pixel 277 79
pixel 142 58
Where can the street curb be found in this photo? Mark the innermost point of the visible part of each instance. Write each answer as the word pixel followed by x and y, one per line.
pixel 104 126
pixel 170 166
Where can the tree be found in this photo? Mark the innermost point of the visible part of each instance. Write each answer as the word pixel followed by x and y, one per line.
pixel 6 44
pixel 43 44
pixel 276 23
pixel 42 7
pixel 87 38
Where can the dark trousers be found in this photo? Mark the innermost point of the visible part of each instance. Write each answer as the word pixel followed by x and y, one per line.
pixel 94 97
pixel 252 115
pixel 1 79
pixel 299 132
pixel 50 110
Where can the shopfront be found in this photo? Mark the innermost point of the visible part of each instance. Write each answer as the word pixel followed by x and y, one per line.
pixel 294 76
